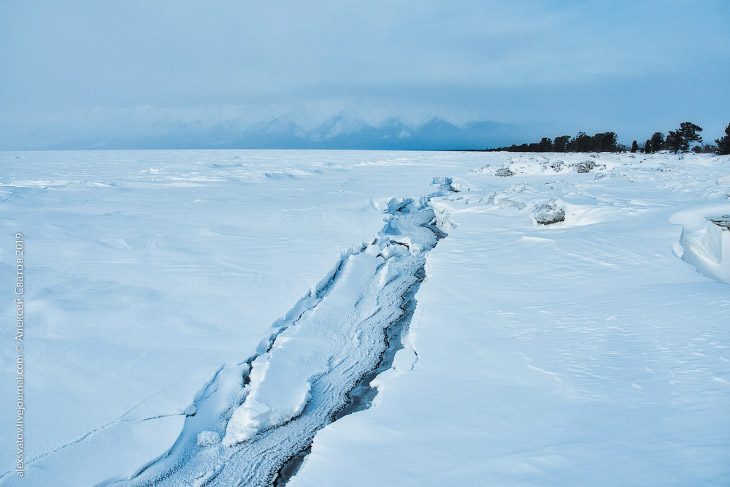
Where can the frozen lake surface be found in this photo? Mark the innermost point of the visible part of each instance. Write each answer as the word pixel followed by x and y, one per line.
pixel 210 318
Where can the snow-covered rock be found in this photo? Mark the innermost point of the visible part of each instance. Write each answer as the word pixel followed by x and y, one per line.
pixel 549 212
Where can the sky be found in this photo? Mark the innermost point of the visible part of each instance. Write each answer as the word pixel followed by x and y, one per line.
pixel 114 74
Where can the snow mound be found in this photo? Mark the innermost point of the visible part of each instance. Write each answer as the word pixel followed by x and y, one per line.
pixel 705 240
pixel 708 249
pixel 265 406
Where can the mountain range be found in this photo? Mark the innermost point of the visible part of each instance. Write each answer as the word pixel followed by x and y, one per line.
pixel 342 131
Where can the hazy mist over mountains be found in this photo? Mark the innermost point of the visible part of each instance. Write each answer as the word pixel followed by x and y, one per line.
pixel 293 131
pixel 345 131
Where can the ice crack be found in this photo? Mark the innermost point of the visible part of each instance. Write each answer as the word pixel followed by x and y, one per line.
pixel 316 367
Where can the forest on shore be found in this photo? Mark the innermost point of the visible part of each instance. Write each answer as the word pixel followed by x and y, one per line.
pixel 684 139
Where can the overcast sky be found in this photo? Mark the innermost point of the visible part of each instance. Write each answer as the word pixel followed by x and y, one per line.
pixel 73 70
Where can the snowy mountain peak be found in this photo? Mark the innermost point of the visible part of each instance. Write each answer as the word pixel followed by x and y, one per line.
pixel 341 124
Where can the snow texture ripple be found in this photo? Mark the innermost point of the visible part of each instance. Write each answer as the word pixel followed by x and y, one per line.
pixel 253 424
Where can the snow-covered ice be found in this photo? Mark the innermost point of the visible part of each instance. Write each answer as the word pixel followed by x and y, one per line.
pixel 189 310
pixel 705 240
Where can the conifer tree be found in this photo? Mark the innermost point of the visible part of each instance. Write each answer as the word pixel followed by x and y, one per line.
pixel 657 142
pixel 674 141
pixel 545 145
pixel 690 133
pixel 723 143
pixel 580 143
pixel 680 140
pixel 561 143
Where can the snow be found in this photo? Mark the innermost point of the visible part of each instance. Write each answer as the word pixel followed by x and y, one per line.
pixel 188 309
pixel 303 377
pixel 705 240
pixel 271 405
pixel 207 438
pixel 579 353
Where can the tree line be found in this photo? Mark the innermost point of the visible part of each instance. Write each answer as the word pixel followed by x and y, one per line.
pixel 687 137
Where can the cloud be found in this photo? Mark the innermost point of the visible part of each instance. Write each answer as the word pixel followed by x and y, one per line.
pixel 110 68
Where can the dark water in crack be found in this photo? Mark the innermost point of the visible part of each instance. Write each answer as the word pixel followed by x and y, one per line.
pixel 360 397
pixel 275 455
